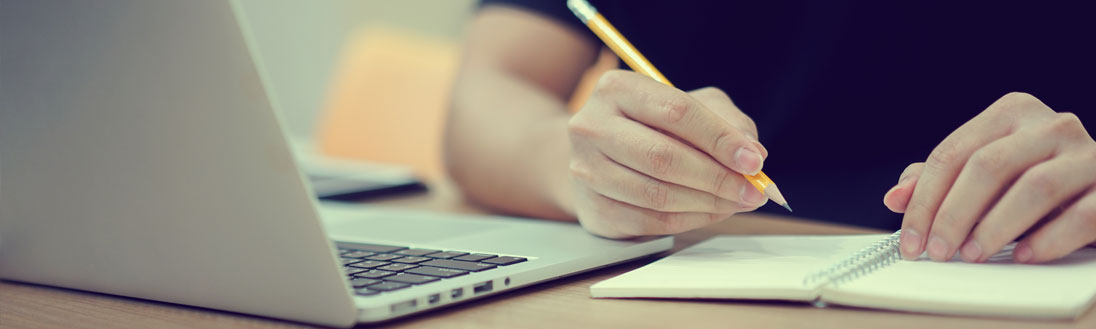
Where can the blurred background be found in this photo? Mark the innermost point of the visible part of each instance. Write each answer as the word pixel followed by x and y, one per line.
pixel 351 76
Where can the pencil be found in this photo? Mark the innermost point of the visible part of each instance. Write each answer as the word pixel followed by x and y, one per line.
pixel 624 49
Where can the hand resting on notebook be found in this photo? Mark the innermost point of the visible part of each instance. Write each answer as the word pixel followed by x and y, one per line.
pixel 1017 167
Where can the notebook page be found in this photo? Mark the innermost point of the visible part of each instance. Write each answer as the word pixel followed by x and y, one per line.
pixel 1062 289
pixel 739 267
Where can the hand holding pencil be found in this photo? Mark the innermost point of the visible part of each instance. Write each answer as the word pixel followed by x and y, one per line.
pixel 650 159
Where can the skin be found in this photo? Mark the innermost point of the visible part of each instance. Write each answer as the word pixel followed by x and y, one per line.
pixel 1016 167
pixel 642 158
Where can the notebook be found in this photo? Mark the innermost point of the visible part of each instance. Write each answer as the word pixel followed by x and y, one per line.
pixel 863 271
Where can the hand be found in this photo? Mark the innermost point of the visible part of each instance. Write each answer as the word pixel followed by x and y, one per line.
pixel 1017 167
pixel 649 159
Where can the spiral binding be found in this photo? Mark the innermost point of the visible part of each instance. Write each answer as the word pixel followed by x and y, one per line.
pixel 878 255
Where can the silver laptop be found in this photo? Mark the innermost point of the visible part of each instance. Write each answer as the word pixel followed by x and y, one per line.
pixel 140 156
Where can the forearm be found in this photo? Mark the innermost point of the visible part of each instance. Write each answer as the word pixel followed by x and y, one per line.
pixel 506 144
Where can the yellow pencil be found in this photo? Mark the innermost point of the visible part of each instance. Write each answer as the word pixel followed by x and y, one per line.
pixel 624 49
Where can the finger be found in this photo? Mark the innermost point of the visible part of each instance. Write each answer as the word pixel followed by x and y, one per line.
pixel 1073 229
pixel 945 161
pixel 629 186
pixel 1035 194
pixel 718 101
pixel 898 196
pixel 615 219
pixel 677 113
pixel 979 183
pixel 650 152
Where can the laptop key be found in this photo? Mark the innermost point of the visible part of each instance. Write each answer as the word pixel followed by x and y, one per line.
pixel 348 261
pixel 369 247
pixel 358 254
pixel 446 254
pixel 474 257
pixel 369 264
pixel 396 267
pixel 362 282
pixel 416 252
pixel 410 278
pixel 467 266
pixel 383 257
pixel 373 274
pixel 437 271
pixel 411 260
pixel 504 260
pixel 388 286
pixel 366 292
pixel 352 270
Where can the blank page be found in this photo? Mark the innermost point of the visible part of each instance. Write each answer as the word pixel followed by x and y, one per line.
pixel 740 267
pixel 1061 289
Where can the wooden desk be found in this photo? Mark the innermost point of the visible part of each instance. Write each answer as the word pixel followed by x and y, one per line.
pixel 562 303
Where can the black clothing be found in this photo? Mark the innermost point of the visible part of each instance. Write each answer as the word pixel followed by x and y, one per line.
pixel 845 94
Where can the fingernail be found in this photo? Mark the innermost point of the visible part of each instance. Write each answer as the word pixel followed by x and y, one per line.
pixel 1023 253
pixel 910 241
pixel 937 248
pixel 751 196
pixel 971 251
pixel 747 161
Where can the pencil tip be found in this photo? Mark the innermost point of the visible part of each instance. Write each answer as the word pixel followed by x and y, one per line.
pixel 787 207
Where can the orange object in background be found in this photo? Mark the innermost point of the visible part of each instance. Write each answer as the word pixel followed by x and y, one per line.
pixel 388 100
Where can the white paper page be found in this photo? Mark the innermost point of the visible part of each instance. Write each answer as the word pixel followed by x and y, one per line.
pixel 740 267
pixel 1060 289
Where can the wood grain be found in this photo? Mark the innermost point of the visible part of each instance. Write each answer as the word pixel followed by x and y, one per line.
pixel 563 303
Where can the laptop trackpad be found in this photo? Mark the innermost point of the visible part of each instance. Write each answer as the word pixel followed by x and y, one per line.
pixel 400 228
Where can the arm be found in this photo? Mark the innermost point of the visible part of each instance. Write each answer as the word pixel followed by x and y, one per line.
pixel 510 98
pixel 639 157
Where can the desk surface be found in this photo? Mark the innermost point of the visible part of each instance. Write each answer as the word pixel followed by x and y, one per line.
pixel 563 303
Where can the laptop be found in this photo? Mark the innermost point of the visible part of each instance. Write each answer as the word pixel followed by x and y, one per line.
pixel 140 156
pixel 335 179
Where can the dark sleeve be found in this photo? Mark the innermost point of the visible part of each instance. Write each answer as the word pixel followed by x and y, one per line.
pixel 554 9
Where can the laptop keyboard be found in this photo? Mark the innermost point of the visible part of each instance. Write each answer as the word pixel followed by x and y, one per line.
pixel 374 269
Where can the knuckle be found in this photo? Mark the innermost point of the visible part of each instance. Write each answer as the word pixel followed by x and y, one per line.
pixel 944 155
pixel 720 143
pixel 611 81
pixel 1066 125
pixel 946 222
pixel 720 182
pixel 654 225
pixel 578 127
pixel 660 157
pixel 675 108
pixel 717 205
pixel 1086 212
pixel 670 223
pixel 1018 96
pixel 1040 183
pixel 1018 101
pixel 580 171
pixel 918 208
pixel 656 194
pixel 989 161
pixel 1014 104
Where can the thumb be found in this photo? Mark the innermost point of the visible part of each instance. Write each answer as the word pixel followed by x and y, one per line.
pixel 898 197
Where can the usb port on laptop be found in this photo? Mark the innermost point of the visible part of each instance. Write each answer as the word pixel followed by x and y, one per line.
pixel 483 287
